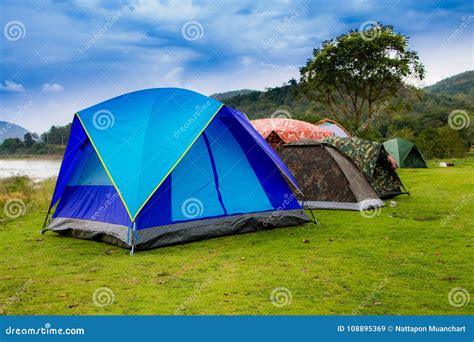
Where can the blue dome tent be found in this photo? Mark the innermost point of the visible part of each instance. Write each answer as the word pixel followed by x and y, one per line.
pixel 163 166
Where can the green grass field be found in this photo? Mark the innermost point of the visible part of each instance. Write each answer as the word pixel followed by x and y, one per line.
pixel 405 260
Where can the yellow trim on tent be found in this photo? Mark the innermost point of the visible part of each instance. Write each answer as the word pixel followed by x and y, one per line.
pixel 105 167
pixel 177 162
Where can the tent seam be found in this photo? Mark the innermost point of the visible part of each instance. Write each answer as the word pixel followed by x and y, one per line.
pixel 214 171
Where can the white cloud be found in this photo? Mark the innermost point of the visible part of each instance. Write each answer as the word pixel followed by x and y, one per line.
pixel 164 10
pixel 444 59
pixel 52 88
pixel 246 60
pixel 12 87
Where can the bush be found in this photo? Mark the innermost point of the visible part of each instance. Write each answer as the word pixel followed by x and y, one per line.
pixel 442 142
pixel 17 183
pixel 25 195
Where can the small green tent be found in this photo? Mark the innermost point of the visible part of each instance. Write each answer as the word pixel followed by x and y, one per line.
pixel 404 152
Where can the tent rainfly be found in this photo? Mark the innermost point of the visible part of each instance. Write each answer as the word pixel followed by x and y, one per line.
pixel 280 131
pixel 334 127
pixel 328 178
pixel 164 166
pixel 374 161
pixel 405 153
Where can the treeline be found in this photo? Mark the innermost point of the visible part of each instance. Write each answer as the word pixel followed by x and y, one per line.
pixel 51 142
pixel 56 135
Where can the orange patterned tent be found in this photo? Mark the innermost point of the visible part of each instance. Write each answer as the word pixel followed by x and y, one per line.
pixel 279 131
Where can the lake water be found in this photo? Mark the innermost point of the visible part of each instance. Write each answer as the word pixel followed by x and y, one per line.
pixel 36 169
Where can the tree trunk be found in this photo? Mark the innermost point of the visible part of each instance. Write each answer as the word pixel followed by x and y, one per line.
pixel 369 115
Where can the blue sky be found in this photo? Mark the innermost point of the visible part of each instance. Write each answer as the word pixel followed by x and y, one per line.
pixel 58 57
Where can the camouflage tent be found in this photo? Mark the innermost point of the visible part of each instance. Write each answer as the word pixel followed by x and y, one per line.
pixel 328 178
pixel 373 160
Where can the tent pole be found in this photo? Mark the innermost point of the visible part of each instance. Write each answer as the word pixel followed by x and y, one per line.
pixel 132 251
pixel 403 186
pixel 43 230
pixel 315 220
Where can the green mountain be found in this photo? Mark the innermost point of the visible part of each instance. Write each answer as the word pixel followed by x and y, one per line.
pixel 262 104
pixel 460 86
pixel 10 130
pixel 229 94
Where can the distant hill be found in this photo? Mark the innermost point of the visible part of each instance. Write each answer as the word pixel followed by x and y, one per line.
pixel 460 86
pixel 229 94
pixel 10 130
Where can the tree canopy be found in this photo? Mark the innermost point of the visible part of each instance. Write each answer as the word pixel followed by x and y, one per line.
pixel 358 71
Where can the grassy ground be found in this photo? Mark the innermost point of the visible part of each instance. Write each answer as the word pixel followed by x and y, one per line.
pixel 405 260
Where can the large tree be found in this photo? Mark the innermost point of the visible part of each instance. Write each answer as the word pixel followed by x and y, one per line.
pixel 354 74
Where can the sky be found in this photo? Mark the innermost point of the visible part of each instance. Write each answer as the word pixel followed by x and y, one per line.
pixel 58 57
